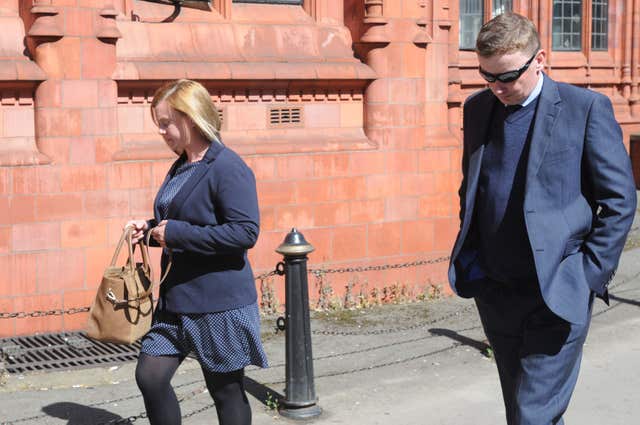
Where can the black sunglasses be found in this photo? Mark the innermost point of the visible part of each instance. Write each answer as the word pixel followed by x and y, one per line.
pixel 509 76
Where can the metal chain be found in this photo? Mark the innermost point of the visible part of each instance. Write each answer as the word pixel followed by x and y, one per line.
pixel 361 269
pixel 279 270
pixel 129 419
pixel 132 419
pixel 200 410
pixel 41 313
pixel 375 347
pixel 376 366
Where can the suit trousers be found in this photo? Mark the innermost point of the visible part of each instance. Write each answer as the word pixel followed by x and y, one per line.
pixel 537 352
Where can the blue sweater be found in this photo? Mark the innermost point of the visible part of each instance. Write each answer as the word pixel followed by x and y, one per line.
pixel 505 251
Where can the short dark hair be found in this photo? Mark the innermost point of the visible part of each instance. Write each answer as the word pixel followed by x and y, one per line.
pixel 507 33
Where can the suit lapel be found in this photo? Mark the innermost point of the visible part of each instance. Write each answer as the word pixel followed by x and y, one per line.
pixel 549 105
pixel 186 189
pixel 479 122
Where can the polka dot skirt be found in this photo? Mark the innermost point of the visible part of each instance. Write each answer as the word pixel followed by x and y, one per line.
pixel 222 342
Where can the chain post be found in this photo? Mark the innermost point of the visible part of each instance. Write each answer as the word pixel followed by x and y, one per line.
pixel 300 396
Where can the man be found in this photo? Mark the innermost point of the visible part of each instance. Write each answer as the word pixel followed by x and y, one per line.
pixel 546 202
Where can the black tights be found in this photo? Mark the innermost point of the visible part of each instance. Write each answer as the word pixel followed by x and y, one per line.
pixel 153 375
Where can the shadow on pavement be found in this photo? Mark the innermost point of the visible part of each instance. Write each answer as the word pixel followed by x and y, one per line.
pixel 262 393
pixel 78 414
pixel 624 300
pixel 481 346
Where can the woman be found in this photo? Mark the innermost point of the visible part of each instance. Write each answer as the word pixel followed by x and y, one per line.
pixel 206 217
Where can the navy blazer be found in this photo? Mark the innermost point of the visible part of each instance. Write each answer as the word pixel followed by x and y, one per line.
pixel 579 199
pixel 212 222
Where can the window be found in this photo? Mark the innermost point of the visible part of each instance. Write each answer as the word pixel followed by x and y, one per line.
pixel 298 2
pixel 501 6
pixel 600 24
pixel 470 22
pixel 472 16
pixel 569 25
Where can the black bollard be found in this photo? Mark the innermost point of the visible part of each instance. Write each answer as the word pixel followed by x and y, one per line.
pixel 300 395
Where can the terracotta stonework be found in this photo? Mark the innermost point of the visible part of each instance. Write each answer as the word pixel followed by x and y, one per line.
pixel 348 111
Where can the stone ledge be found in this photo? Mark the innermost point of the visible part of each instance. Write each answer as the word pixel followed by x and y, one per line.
pixel 150 70
pixel 149 147
pixel 21 151
pixel 20 70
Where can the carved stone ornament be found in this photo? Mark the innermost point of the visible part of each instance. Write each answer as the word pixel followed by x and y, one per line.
pixel 45 25
pixel 108 30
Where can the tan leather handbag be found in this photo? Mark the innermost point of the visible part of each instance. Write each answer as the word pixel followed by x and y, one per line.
pixel 122 310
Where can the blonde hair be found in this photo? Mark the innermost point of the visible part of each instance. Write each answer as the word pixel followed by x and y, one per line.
pixel 193 100
pixel 507 33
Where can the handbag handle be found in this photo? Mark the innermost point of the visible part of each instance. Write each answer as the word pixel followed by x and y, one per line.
pixel 144 249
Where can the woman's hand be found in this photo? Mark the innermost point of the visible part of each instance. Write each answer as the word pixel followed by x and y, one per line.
pixel 139 227
pixel 158 233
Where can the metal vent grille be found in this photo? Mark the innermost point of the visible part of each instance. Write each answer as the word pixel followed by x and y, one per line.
pixel 61 351
pixel 285 117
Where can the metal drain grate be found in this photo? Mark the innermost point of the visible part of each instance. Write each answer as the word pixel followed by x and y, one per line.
pixel 59 351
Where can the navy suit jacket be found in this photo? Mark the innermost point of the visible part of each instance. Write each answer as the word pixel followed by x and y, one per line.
pixel 212 222
pixel 579 199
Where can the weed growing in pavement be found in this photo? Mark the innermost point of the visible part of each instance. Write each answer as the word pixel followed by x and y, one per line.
pixel 357 297
pixel 271 402
pixel 325 292
pixel 269 300
pixel 488 353
pixel 363 297
pixel 435 291
pixel 349 302
pixel 350 317
pixel 375 297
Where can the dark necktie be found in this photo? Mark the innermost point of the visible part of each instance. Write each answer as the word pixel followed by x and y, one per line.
pixel 512 108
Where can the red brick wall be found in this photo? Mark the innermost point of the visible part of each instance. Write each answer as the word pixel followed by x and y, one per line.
pixel 369 175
